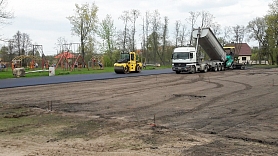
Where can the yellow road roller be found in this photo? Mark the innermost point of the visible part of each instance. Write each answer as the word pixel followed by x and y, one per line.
pixel 128 63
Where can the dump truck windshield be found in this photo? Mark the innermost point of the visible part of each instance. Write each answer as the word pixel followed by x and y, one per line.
pixel 181 55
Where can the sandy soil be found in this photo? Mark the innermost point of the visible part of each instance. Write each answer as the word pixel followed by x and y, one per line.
pixel 215 113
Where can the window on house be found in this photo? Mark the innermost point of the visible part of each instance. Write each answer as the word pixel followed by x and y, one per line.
pixel 243 58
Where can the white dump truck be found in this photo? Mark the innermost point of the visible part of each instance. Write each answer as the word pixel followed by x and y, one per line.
pixel 185 59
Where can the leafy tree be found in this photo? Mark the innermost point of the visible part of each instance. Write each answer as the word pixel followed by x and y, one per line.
pixel 271 38
pixel 155 36
pixel 84 22
pixel 107 32
pixel 257 29
pixel 7 53
pixel 4 53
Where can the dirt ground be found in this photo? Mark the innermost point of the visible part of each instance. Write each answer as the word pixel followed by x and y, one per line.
pixel 215 113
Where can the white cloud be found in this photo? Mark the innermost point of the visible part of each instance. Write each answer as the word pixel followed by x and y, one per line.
pixel 45 20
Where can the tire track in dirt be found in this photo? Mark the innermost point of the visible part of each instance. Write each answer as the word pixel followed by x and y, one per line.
pixel 137 109
pixel 213 100
pixel 248 116
pixel 129 90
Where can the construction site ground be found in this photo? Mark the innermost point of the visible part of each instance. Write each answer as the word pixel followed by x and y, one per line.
pixel 233 112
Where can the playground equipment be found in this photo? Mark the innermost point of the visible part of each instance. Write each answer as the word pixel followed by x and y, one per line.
pixel 44 61
pixel 79 62
pixel 17 62
pixel 69 61
pixel 64 59
pixel 97 61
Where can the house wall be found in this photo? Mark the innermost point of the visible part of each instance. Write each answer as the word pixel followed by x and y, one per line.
pixel 247 58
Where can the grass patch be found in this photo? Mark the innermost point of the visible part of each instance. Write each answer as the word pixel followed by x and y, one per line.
pixel 265 66
pixel 83 129
pixel 20 121
pixel 24 121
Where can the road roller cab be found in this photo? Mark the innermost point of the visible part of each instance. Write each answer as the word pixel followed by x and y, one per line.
pixel 127 63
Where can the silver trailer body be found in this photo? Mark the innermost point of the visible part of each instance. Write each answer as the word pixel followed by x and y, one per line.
pixel 210 44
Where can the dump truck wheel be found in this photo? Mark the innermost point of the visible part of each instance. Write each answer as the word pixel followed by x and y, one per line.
pixel 193 70
pixel 216 68
pixel 205 69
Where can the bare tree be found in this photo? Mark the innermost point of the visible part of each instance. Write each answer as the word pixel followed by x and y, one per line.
pixel 126 18
pixel 226 36
pixel 4 14
pixel 134 15
pixel 147 35
pixel 61 42
pixel 22 43
pixel 17 41
pixel 239 32
pixel 207 19
pixel 164 38
pixel 192 20
pixel 177 32
pixel 216 29
pixel 183 34
pixel 26 47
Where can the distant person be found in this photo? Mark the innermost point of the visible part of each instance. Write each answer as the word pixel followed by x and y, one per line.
pixel 144 65
pixel 100 64
pixel 5 67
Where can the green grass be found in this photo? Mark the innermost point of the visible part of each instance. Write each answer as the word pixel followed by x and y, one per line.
pixel 264 66
pixel 59 71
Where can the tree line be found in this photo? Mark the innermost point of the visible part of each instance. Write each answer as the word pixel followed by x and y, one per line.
pixel 149 34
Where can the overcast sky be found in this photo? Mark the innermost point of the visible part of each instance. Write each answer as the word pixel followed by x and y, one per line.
pixel 45 20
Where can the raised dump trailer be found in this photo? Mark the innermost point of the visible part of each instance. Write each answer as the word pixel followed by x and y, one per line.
pixel 191 63
pixel 209 43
